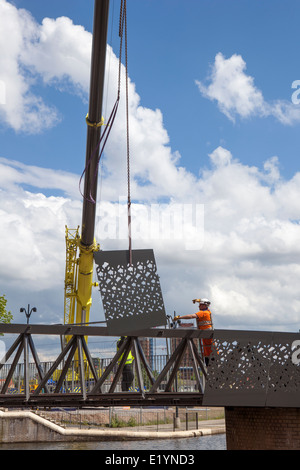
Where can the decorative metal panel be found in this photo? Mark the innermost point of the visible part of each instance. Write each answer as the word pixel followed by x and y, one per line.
pixel 131 293
pixel 253 369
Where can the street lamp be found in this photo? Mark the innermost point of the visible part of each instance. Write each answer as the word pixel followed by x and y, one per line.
pixel 28 312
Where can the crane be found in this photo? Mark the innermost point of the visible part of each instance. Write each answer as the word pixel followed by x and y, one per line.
pixel 80 247
pixel 145 303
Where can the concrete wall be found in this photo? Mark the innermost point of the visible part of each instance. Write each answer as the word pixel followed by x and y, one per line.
pixel 262 428
pixel 26 426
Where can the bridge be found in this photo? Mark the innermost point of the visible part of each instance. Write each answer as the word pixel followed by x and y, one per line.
pixel 246 369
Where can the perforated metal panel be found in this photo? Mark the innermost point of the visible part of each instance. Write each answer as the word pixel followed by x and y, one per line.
pixel 131 294
pixel 253 369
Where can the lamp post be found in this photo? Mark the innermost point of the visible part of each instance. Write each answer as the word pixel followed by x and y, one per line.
pixel 28 312
pixel 26 341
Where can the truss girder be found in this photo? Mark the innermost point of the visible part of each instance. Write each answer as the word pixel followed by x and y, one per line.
pixel 246 368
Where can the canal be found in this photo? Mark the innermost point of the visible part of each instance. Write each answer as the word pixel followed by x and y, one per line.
pixel 213 442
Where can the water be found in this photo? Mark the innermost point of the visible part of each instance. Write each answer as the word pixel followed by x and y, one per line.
pixel 214 442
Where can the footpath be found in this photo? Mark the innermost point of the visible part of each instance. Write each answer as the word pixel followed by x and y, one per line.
pixel 212 426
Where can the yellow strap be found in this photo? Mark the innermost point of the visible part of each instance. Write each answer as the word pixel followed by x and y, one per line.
pixel 94 124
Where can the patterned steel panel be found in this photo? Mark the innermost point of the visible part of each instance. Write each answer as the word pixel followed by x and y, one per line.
pixel 253 369
pixel 131 294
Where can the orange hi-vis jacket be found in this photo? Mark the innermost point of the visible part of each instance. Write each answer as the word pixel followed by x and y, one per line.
pixel 204 322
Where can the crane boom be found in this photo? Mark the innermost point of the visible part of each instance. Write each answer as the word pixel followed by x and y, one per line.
pixel 94 119
pixel 86 242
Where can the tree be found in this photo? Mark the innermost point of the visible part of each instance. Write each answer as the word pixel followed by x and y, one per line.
pixel 5 316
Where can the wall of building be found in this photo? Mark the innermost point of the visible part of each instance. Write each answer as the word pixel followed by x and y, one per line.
pixel 262 428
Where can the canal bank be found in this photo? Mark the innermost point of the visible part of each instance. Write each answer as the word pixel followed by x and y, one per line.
pixel 28 426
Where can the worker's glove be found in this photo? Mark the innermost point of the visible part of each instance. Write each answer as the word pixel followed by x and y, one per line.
pixel 176 318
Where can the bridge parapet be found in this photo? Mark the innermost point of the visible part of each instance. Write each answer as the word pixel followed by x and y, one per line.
pixel 160 390
pixel 254 368
pixel 246 368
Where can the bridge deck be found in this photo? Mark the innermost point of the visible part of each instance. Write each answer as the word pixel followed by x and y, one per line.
pixel 105 399
pixel 246 368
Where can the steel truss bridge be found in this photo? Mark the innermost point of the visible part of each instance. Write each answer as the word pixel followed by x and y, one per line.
pixel 246 368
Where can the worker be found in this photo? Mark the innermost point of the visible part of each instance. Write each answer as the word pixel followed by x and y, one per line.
pixel 127 373
pixel 204 322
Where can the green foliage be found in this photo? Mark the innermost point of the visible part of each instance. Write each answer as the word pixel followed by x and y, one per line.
pixel 5 316
pixel 116 422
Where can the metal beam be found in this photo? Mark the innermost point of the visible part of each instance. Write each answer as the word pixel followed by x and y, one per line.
pixel 145 363
pixel 70 330
pixel 89 358
pixel 99 45
pixel 54 366
pixel 37 361
pixel 18 344
pixel 128 345
pixel 26 366
pixel 81 367
pixel 66 365
pixel 195 367
pixel 167 367
pixel 109 369
pixel 105 399
pixel 178 360
pixel 138 366
pixel 245 369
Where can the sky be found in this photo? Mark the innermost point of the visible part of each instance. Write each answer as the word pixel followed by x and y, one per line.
pixel 214 119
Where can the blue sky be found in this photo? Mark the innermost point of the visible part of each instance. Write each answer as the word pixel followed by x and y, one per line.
pixel 186 38
pixel 212 122
pixel 175 43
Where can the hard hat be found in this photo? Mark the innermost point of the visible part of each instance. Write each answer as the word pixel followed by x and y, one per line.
pixel 201 301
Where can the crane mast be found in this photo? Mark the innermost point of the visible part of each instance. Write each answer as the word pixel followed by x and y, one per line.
pixel 79 273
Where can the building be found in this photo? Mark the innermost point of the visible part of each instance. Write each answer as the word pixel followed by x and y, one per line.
pixel 186 369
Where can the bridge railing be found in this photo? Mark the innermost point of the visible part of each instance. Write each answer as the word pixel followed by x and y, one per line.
pixel 185 376
pixel 75 371
pixel 254 368
pixel 246 368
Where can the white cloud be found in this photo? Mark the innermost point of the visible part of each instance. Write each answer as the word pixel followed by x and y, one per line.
pixel 32 231
pixel 22 110
pixel 14 173
pixel 237 96
pixel 59 52
pixel 24 61
pixel 248 264
pixel 220 157
pixel 69 47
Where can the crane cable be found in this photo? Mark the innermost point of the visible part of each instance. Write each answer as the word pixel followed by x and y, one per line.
pixel 109 124
pixel 124 21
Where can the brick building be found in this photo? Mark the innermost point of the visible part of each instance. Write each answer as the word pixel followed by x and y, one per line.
pixel 186 366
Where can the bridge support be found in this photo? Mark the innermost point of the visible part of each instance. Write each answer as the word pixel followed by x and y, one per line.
pixel 55 384
pixel 259 428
